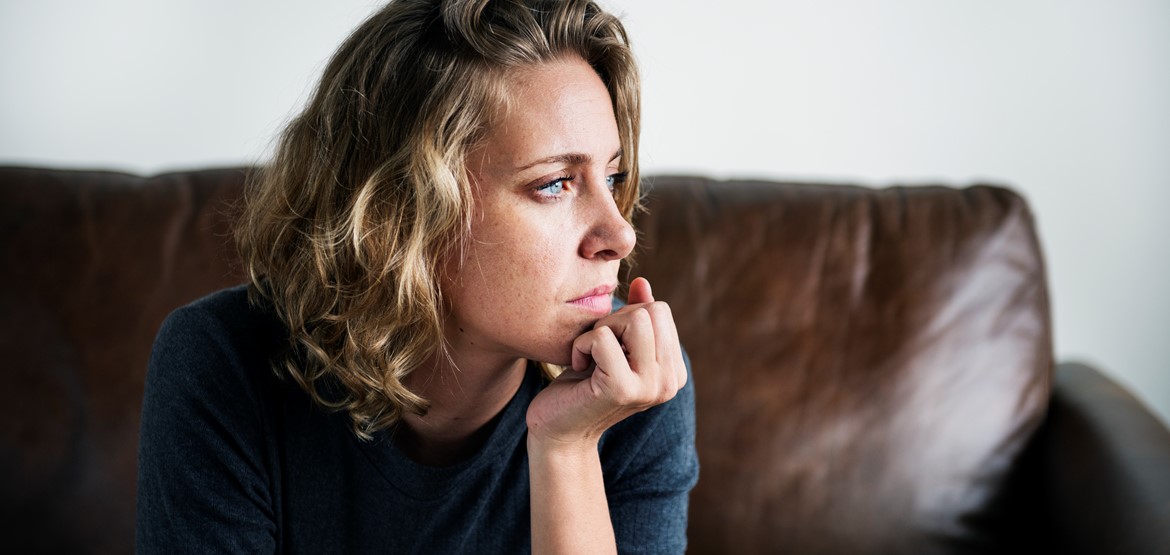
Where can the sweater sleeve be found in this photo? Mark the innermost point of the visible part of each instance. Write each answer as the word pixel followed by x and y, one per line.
pixel 203 483
pixel 650 466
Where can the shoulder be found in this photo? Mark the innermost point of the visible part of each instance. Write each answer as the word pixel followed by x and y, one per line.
pixel 220 315
pixel 223 322
pixel 217 346
pixel 207 430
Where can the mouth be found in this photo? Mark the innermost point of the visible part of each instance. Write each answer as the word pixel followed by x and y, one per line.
pixel 597 300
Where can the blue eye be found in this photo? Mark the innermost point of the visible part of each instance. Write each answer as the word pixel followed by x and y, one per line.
pixel 553 188
pixel 612 181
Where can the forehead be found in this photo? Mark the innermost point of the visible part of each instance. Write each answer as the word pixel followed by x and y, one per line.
pixel 552 108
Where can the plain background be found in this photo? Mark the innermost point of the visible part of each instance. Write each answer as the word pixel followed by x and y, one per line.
pixel 1066 101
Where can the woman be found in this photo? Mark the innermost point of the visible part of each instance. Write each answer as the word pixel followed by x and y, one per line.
pixel 439 232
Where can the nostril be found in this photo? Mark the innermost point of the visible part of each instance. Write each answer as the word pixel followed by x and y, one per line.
pixel 614 242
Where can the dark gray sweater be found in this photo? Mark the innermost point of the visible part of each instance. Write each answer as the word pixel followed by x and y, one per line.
pixel 236 460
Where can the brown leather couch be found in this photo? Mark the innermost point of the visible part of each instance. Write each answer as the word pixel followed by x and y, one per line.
pixel 873 368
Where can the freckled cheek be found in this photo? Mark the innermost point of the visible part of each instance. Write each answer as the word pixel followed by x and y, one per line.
pixel 529 252
pixel 529 267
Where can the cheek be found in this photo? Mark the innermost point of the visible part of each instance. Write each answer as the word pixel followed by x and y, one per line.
pixel 523 246
pixel 525 268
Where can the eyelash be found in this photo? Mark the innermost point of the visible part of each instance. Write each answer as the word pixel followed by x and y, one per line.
pixel 542 191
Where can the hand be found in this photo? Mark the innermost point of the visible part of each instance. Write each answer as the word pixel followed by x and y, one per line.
pixel 630 361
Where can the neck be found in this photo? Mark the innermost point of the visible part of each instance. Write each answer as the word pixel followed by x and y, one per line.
pixel 464 396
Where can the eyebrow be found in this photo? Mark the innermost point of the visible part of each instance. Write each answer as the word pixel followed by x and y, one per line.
pixel 571 158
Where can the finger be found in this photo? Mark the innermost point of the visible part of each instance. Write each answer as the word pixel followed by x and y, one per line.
pixel 570 375
pixel 635 331
pixel 634 328
pixel 662 322
pixel 594 348
pixel 583 351
pixel 668 349
pixel 601 347
pixel 640 292
pixel 613 378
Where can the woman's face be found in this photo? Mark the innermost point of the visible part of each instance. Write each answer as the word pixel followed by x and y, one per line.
pixel 547 235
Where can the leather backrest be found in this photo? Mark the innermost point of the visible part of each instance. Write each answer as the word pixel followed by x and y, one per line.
pixel 868 363
pixel 93 262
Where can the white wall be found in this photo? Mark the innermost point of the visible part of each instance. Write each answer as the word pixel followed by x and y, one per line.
pixel 1068 101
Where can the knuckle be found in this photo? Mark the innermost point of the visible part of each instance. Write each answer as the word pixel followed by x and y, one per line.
pixel 666 393
pixel 654 392
pixel 641 317
pixel 624 396
pixel 635 396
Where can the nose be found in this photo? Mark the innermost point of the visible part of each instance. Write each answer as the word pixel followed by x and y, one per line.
pixel 608 236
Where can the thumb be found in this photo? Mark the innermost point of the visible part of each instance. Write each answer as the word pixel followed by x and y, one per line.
pixel 640 292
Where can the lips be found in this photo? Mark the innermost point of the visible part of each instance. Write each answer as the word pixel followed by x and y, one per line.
pixel 596 300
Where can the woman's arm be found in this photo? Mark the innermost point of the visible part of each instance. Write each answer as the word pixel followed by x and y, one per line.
pixel 650 467
pixel 569 509
pixel 629 362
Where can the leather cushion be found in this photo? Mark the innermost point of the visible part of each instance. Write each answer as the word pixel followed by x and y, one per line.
pixel 868 363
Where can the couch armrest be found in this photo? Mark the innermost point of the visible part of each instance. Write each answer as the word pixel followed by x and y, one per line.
pixel 1107 467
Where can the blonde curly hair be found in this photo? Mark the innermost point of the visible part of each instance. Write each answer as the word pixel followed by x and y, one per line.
pixel 344 233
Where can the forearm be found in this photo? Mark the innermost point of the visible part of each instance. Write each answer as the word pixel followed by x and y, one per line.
pixel 569 510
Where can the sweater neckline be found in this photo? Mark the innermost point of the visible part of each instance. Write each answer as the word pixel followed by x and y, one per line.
pixel 423 482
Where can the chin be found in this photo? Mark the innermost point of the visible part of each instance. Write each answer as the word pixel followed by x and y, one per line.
pixel 558 350
pixel 561 355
